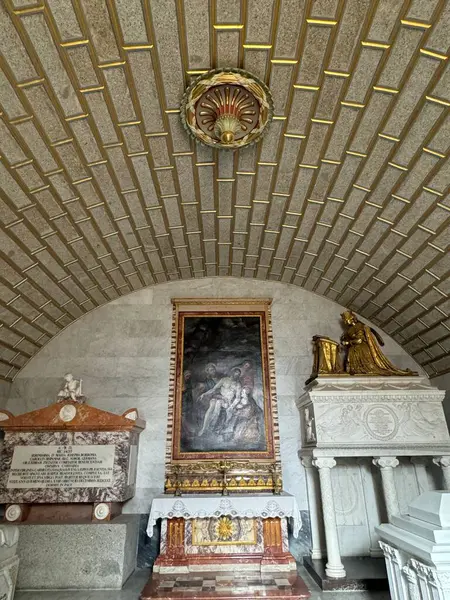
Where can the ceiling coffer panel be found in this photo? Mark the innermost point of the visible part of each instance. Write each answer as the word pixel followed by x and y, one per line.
pixel 103 192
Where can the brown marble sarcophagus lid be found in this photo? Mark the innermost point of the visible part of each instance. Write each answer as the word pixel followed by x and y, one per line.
pixel 68 453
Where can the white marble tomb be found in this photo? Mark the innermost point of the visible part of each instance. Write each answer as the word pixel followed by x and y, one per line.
pixel 356 433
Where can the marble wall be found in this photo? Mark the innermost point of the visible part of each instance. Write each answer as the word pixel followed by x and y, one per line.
pixel 5 389
pixel 121 351
pixel 443 383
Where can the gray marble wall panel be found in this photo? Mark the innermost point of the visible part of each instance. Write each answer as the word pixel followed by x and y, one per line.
pixel 85 556
pixel 121 351
pixel 5 390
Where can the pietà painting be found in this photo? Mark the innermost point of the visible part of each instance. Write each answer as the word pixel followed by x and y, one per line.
pixel 222 401
pixel 222 386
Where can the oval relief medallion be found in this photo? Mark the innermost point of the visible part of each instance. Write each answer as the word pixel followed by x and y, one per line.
pixel 67 413
pixel 13 512
pixel 381 422
pixel 101 511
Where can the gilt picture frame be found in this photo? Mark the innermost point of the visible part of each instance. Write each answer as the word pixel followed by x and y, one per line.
pixel 223 421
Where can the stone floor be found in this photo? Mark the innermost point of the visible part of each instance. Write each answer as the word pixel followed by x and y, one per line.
pixel 134 586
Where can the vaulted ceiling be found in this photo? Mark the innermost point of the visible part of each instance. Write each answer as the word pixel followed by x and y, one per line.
pixel 102 191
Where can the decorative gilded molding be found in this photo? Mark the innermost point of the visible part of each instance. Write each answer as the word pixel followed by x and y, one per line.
pixel 226 108
pixel 105 128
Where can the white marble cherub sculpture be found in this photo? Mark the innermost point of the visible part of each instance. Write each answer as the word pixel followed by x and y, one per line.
pixel 71 390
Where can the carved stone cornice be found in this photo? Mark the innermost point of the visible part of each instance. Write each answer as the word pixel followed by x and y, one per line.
pixel 338 383
pixel 370 396
pixel 370 389
pixel 83 417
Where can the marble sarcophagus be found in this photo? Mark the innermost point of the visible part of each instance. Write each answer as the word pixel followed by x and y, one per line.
pixel 78 459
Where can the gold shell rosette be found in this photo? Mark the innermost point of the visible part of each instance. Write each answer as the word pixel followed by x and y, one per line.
pixel 227 108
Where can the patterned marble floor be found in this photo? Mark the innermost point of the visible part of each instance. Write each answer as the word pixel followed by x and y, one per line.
pixel 226 586
pixel 134 586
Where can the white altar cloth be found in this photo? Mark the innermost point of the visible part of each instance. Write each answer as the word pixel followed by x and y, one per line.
pixel 201 506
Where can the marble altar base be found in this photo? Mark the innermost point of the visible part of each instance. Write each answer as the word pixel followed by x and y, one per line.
pixel 226 586
pixel 202 532
pixel 223 544
pixel 78 556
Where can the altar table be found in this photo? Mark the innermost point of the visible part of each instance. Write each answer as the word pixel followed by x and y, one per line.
pixel 202 532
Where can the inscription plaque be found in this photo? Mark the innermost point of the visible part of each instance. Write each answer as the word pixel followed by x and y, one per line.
pixel 381 422
pixel 62 467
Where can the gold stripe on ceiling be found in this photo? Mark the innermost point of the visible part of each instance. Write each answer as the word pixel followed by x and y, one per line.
pixel 315 170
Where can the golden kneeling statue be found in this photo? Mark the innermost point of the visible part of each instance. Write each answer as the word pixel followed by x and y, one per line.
pixel 364 356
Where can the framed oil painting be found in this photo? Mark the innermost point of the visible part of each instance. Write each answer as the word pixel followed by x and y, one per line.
pixel 222 397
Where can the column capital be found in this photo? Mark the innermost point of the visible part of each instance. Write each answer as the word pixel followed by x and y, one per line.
pixel 390 552
pixel 385 462
pixel 324 462
pixel 442 461
pixel 307 461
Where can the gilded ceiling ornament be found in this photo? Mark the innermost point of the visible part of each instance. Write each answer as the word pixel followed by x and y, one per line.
pixel 227 108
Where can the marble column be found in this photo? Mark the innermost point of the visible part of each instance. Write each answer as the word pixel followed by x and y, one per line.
pixel 370 504
pixel 334 566
pixel 386 464
pixel 315 513
pixel 444 463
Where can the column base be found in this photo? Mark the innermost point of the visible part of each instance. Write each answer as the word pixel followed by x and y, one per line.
pixel 335 572
pixel 362 573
